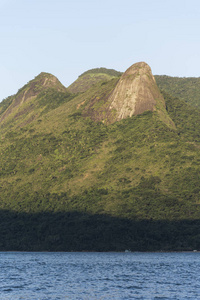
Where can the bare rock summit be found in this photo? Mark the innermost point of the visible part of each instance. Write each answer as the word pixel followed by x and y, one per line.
pixel 135 93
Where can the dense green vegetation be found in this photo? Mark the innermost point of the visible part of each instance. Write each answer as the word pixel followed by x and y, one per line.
pixel 70 183
pixel 187 89
pixel 110 72
pixel 5 104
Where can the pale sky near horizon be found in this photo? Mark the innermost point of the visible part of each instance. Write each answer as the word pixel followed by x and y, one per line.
pixel 68 37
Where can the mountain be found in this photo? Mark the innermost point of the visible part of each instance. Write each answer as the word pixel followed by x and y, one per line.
pixel 90 77
pixel 134 93
pixel 32 99
pixel 187 89
pixel 78 177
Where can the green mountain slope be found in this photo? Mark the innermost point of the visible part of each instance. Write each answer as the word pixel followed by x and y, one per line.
pixel 37 97
pixel 187 89
pixel 91 77
pixel 70 182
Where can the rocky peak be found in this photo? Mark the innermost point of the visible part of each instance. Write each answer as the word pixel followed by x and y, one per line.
pixel 31 90
pixel 48 80
pixel 135 92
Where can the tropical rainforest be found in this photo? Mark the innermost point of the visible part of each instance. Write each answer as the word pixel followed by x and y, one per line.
pixel 70 181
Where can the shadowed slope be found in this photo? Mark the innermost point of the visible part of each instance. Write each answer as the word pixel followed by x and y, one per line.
pixel 75 231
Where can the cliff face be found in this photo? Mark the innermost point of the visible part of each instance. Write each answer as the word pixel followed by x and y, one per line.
pixel 135 92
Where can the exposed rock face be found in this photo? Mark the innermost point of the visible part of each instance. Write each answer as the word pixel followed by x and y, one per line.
pixel 135 92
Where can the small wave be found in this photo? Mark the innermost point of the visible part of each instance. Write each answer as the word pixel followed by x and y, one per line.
pixel 7 290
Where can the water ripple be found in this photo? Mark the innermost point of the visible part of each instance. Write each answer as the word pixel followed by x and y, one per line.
pixel 58 276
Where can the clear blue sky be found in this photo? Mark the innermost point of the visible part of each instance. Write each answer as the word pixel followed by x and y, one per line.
pixel 68 37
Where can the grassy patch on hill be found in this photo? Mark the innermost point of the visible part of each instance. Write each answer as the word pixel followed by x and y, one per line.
pixel 92 77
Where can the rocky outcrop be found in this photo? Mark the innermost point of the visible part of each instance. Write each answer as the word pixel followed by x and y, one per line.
pixel 135 93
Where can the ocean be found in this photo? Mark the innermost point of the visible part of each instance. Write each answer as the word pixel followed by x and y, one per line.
pixel 71 275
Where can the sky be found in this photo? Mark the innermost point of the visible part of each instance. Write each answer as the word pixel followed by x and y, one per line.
pixel 68 37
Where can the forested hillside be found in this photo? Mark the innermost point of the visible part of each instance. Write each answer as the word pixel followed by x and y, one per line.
pixel 187 89
pixel 70 183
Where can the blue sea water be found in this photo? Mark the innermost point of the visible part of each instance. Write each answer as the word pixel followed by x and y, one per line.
pixel 42 276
